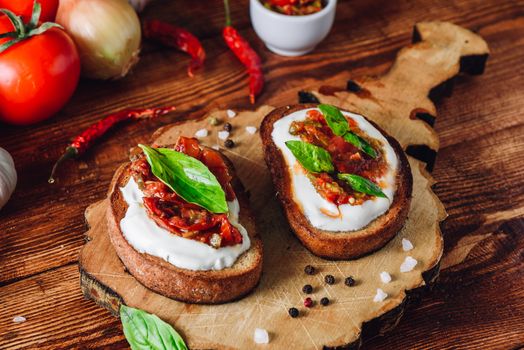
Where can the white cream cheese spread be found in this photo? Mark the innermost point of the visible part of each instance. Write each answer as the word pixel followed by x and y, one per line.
pixel 317 209
pixel 147 237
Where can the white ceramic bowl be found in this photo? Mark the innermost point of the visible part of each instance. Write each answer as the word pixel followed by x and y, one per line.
pixel 291 35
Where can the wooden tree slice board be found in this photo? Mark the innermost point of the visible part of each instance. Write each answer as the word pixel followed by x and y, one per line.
pixel 231 326
pixel 400 101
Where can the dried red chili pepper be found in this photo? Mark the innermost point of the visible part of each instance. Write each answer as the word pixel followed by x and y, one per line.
pixel 245 54
pixel 83 141
pixel 178 38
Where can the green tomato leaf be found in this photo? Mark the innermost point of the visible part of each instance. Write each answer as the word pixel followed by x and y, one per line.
pixel 188 177
pixel 313 158
pixel 360 143
pixel 363 185
pixel 335 119
pixel 145 331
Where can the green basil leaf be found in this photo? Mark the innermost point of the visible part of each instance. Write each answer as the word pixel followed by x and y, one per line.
pixel 340 127
pixel 188 177
pixel 311 157
pixel 145 331
pixel 335 119
pixel 360 143
pixel 363 185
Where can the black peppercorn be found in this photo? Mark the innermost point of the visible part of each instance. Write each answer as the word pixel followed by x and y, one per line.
pixel 309 270
pixel 330 279
pixel 350 281
pixel 229 143
pixel 293 312
pixel 228 127
pixel 324 301
pixel 307 289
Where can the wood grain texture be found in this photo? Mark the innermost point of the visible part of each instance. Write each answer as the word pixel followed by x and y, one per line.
pixel 477 304
pixel 105 280
pixel 401 99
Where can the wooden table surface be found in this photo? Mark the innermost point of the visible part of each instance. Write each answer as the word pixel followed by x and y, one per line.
pixel 478 301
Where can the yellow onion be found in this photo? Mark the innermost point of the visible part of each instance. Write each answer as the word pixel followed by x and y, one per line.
pixel 106 32
pixel 139 4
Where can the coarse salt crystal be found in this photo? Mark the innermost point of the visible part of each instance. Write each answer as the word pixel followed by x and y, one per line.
pixel 408 264
pixel 406 244
pixel 261 336
pixel 251 129
pixel 19 319
pixel 201 133
pixel 231 113
pixel 380 296
pixel 385 277
pixel 223 135
pixel 216 147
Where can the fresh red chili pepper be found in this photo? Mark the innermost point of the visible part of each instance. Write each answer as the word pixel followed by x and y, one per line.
pixel 245 54
pixel 83 141
pixel 178 38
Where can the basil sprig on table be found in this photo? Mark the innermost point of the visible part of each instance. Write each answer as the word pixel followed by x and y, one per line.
pixel 361 184
pixel 188 177
pixel 313 158
pixel 145 331
pixel 340 127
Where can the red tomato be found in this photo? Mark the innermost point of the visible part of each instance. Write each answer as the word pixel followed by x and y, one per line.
pixel 37 75
pixel 337 145
pixel 24 8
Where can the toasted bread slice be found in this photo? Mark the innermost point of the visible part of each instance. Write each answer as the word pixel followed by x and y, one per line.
pixel 201 287
pixel 340 244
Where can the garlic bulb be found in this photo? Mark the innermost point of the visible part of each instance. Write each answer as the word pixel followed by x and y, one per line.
pixel 7 176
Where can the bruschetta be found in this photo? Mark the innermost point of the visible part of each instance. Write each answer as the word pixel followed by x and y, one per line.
pixel 179 220
pixel 344 184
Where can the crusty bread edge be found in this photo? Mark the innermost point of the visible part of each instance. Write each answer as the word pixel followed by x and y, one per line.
pixel 339 245
pixel 200 287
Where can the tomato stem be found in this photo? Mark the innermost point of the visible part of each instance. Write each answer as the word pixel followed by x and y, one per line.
pixel 35 15
pixel 8 35
pixel 23 31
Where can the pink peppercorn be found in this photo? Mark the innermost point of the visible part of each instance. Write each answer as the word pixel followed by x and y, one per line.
pixel 308 302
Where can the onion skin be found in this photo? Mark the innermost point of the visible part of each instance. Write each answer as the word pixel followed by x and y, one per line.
pixel 139 4
pixel 107 34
